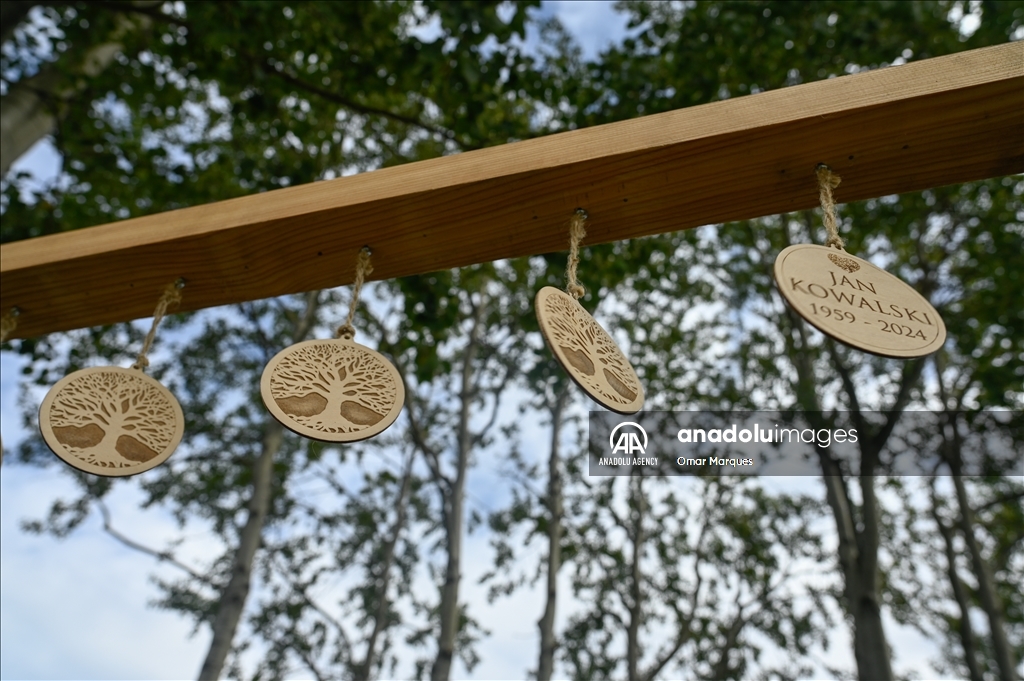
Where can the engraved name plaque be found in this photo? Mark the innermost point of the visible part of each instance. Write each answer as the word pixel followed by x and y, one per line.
pixel 857 303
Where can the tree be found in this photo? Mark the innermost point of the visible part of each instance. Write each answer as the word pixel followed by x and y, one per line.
pixel 228 99
pixel 555 507
pixel 306 105
pixel 702 575
pixel 33 105
pixel 684 55
pixel 476 345
pixel 204 101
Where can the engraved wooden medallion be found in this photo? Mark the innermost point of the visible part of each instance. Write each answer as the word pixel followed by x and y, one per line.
pixel 333 390
pixel 587 352
pixel 111 421
pixel 857 303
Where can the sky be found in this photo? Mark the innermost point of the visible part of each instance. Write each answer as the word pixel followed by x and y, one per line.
pixel 79 608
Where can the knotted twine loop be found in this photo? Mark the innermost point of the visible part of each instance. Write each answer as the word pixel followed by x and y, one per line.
pixel 171 296
pixel 827 181
pixel 363 268
pixel 577 230
pixel 8 323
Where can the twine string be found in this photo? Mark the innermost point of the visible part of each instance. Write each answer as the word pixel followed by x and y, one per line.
pixel 577 230
pixel 363 268
pixel 171 296
pixel 8 323
pixel 827 181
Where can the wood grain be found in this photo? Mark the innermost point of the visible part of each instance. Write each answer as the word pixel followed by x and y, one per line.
pixel 925 124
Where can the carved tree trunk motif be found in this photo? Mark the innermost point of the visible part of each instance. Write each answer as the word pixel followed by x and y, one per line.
pixel 333 390
pixel 111 421
pixel 588 353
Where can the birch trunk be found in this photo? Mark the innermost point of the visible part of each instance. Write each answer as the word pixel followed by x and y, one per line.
pixel 967 638
pixel 635 583
pixel 546 664
pixel 24 117
pixel 364 668
pixel 870 646
pixel 990 600
pixel 859 566
pixel 454 504
pixel 858 547
pixel 27 110
pixel 232 599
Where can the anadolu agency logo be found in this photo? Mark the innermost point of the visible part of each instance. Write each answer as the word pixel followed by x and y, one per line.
pixel 628 442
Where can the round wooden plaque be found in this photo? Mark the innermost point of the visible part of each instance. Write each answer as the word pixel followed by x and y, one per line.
pixel 857 303
pixel 332 390
pixel 587 352
pixel 111 421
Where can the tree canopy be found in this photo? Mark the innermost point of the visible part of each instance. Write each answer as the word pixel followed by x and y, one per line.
pixel 372 559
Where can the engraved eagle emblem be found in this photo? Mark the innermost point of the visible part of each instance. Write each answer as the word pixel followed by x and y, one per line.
pixel 847 264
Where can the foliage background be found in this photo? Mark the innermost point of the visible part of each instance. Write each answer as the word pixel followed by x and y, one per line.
pixel 76 608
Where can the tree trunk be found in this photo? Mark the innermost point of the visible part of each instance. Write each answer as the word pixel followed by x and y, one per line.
pixel 364 668
pixel 24 118
pixel 990 600
pixel 636 577
pixel 870 648
pixel 454 506
pixel 546 665
pixel 967 638
pixel 720 670
pixel 449 606
pixel 28 111
pixel 232 600
pixel 858 548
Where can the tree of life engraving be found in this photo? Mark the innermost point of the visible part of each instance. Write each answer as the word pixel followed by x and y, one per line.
pixel 334 387
pixel 112 419
pixel 599 365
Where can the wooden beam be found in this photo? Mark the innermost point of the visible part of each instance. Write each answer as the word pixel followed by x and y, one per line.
pixel 925 124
